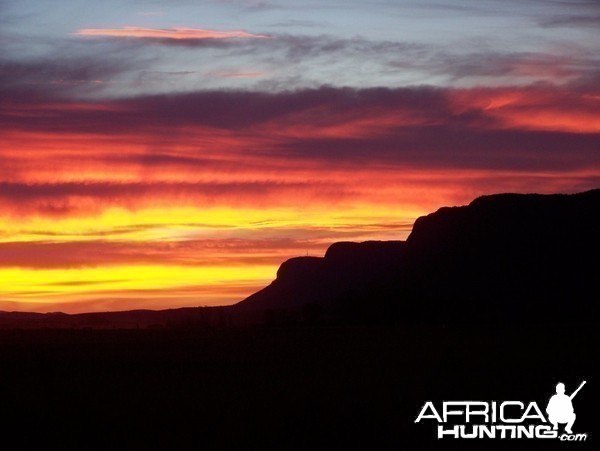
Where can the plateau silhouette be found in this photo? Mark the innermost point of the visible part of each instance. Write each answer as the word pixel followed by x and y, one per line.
pixel 513 258
pixel 509 257
pixel 481 302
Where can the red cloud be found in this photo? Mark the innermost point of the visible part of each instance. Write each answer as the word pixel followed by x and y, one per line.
pixel 318 147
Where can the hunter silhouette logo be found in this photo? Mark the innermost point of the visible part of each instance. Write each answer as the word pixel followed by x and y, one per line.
pixel 505 419
pixel 560 407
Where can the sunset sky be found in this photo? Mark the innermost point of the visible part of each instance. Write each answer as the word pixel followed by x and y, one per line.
pixel 160 154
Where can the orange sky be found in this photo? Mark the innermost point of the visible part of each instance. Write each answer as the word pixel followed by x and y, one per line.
pixel 162 202
pixel 176 156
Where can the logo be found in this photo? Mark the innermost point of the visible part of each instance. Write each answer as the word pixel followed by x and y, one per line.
pixel 505 419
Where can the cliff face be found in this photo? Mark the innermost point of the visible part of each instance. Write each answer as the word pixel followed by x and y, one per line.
pixel 502 258
pixel 346 269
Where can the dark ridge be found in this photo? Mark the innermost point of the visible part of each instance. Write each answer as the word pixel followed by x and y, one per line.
pixel 507 258
pixel 502 258
pixel 132 319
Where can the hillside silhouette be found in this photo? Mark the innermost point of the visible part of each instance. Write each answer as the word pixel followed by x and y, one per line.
pixel 490 301
pixel 506 257
pixel 502 258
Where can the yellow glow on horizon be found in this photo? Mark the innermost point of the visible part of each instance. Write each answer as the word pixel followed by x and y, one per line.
pixel 212 276
pixel 178 223
pixel 54 285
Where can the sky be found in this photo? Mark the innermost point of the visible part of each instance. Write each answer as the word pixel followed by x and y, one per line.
pixel 162 154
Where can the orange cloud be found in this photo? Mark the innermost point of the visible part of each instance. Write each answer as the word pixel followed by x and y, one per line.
pixel 544 108
pixel 100 201
pixel 168 33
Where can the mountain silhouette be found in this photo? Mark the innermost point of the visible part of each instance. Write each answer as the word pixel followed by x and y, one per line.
pixel 506 257
pixel 489 301
pixel 503 258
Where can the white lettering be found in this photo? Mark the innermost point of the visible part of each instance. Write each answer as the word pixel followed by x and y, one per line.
pixel 537 414
pixel 510 403
pixel 447 406
pixel 483 412
pixel 434 415
pixel 544 431
pixel 451 432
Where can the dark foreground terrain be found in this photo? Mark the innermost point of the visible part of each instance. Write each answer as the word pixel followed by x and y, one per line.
pixel 298 387
pixel 490 301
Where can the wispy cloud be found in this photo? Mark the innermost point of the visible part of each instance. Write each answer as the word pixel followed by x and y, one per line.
pixel 168 33
pixel 257 149
pixel 583 20
pixel 235 74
